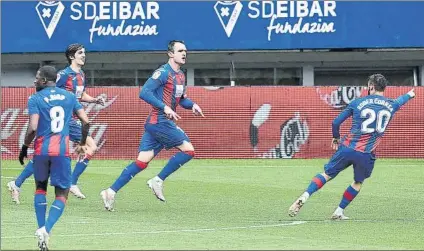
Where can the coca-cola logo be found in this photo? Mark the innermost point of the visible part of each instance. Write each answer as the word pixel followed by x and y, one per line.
pixel 293 134
pixel 11 116
pixel 340 97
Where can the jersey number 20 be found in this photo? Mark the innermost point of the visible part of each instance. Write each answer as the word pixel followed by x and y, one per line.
pixel 57 115
pixel 382 117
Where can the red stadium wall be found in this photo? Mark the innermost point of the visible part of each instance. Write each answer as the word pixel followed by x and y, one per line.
pixel 241 122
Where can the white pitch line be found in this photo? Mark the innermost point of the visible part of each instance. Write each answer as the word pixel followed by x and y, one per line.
pixel 167 231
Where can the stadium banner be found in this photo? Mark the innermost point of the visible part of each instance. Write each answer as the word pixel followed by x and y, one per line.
pixel 240 122
pixel 49 26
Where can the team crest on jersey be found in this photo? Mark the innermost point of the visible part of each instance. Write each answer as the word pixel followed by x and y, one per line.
pixel 340 97
pixel 156 74
pixel 50 13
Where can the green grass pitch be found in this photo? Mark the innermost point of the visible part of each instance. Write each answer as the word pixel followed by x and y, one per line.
pixel 227 204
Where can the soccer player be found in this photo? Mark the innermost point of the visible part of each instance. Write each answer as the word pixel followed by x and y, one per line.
pixel 71 79
pixel 50 110
pixel 370 117
pixel 164 90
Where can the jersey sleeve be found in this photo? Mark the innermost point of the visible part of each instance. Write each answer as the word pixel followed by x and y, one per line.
pixel 32 106
pixel 157 80
pixel 77 105
pixel 400 101
pixel 61 79
pixel 345 114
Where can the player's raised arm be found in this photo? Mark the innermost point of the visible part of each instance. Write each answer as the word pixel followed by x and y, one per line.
pixel 153 83
pixel 403 99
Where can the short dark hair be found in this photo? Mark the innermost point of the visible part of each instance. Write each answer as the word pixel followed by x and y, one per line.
pixel 71 50
pixel 172 43
pixel 48 72
pixel 378 81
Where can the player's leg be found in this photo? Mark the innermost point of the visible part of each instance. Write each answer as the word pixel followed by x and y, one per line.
pixel 173 137
pixel 363 164
pixel 14 186
pixel 41 176
pixel 60 178
pixel 338 162
pixel 81 165
pixel 148 149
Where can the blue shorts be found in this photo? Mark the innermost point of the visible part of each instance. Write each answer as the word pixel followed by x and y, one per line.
pixel 363 163
pixel 161 135
pixel 75 133
pixel 58 168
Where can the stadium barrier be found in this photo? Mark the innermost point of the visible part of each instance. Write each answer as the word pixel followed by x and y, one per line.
pixel 240 122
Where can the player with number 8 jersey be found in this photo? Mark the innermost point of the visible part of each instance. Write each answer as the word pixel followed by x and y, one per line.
pixel 371 116
pixel 50 111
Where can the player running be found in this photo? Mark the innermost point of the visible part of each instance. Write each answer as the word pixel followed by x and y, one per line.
pixel 72 79
pixel 164 90
pixel 370 117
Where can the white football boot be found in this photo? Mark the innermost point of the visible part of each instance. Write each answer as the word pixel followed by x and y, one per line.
pixel 77 192
pixel 108 197
pixel 156 185
pixel 14 191
pixel 42 238
pixel 297 205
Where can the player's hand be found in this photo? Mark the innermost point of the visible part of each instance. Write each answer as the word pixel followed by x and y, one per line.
pixel 81 150
pixel 23 154
pixel 412 93
pixel 170 114
pixel 100 100
pixel 197 110
pixel 335 144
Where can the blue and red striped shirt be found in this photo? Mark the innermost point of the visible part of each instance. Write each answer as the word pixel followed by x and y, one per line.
pixel 71 81
pixel 164 87
pixel 55 107
pixel 370 117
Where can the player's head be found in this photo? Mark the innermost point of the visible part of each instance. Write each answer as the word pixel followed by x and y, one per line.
pixel 75 54
pixel 177 52
pixel 46 76
pixel 376 83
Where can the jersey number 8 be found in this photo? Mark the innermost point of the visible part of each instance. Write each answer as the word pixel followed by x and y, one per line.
pixel 382 118
pixel 57 115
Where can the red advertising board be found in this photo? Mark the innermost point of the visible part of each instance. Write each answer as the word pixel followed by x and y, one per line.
pixel 240 122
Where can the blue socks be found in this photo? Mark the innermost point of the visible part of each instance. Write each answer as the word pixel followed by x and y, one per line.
pixel 28 171
pixel 127 174
pixel 40 206
pixel 348 196
pixel 80 168
pixel 317 182
pixel 55 212
pixel 175 162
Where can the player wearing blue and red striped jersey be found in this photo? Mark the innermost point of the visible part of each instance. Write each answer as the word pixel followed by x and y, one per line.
pixel 72 79
pixel 50 110
pixel 164 91
pixel 371 116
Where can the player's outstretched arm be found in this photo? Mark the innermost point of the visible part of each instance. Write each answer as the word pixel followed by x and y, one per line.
pixel 401 100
